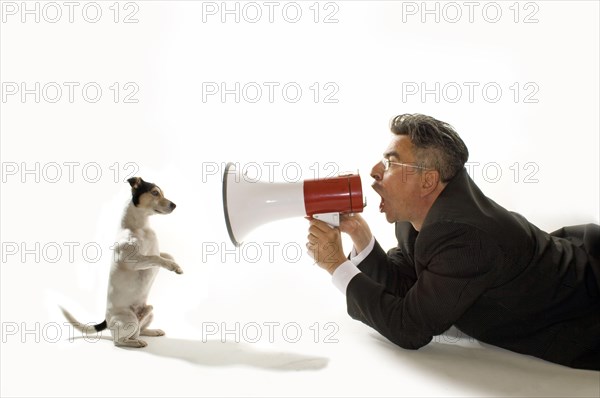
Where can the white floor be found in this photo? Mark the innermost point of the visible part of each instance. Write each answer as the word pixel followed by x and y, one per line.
pixel 295 339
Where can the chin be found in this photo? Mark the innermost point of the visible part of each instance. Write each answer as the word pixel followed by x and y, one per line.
pixel 389 218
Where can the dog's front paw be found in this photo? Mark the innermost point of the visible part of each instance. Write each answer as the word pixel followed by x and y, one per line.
pixel 172 266
pixel 166 255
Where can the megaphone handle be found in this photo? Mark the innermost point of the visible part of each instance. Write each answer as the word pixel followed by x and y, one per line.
pixel 333 219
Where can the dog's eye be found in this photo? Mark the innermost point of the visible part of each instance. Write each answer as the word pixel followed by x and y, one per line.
pixel 154 193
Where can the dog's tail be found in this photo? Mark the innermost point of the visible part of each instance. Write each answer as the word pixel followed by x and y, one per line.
pixel 82 327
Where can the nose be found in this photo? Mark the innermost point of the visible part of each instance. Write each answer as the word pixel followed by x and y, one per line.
pixel 172 206
pixel 377 171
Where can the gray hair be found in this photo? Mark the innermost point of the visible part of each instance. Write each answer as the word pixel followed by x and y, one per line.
pixel 437 144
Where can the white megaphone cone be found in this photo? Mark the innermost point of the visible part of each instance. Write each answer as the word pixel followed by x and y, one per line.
pixel 248 204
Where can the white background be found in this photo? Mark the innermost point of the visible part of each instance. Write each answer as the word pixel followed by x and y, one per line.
pixel 366 57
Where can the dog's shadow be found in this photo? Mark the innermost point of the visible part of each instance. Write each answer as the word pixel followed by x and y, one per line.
pixel 217 353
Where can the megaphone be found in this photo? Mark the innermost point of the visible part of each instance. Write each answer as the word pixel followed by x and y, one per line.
pixel 249 204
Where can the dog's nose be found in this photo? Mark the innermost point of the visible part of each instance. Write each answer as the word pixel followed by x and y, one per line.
pixel 172 206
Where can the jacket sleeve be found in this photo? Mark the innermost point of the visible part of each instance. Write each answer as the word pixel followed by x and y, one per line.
pixel 392 270
pixel 454 273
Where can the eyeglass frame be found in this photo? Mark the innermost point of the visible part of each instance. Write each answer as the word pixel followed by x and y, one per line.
pixel 386 165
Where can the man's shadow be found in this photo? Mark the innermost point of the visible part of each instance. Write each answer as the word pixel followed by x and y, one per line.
pixel 492 370
pixel 217 353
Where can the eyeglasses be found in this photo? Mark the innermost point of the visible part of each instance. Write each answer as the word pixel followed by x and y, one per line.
pixel 386 165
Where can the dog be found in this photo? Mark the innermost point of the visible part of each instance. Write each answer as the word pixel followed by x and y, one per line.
pixel 136 261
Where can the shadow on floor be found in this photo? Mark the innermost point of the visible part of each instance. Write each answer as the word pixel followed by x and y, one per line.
pixel 490 370
pixel 217 353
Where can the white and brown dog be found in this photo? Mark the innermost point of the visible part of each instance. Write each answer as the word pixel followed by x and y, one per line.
pixel 136 262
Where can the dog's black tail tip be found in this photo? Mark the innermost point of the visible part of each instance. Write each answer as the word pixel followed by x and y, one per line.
pixel 101 326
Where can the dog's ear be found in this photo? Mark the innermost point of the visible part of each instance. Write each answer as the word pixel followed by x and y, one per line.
pixel 135 182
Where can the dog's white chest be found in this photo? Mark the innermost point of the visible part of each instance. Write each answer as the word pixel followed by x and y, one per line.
pixel 147 242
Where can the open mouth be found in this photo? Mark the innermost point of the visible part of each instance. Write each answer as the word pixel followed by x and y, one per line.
pixel 382 203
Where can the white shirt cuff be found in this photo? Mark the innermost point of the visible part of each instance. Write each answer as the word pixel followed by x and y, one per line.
pixel 343 274
pixel 349 269
pixel 357 258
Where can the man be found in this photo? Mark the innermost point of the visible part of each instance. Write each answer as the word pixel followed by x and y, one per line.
pixel 463 260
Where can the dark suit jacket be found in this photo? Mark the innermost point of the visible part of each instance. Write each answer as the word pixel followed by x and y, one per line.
pixel 492 274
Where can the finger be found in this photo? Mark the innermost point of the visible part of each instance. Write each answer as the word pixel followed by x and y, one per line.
pixel 349 225
pixel 346 217
pixel 331 234
pixel 321 225
pixel 317 232
pixel 310 250
pixel 311 238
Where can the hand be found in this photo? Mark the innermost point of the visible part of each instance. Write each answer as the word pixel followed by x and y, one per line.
pixel 358 229
pixel 325 245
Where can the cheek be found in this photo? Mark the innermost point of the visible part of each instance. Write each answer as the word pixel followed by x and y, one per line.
pixel 394 185
pixel 145 200
pixel 402 191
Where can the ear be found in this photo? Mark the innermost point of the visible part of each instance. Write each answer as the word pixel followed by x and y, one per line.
pixel 135 182
pixel 429 182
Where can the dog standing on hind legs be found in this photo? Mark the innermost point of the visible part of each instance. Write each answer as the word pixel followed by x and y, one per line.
pixel 136 261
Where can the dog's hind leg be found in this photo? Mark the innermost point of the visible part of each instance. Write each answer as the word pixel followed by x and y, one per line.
pixel 145 322
pixel 125 330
